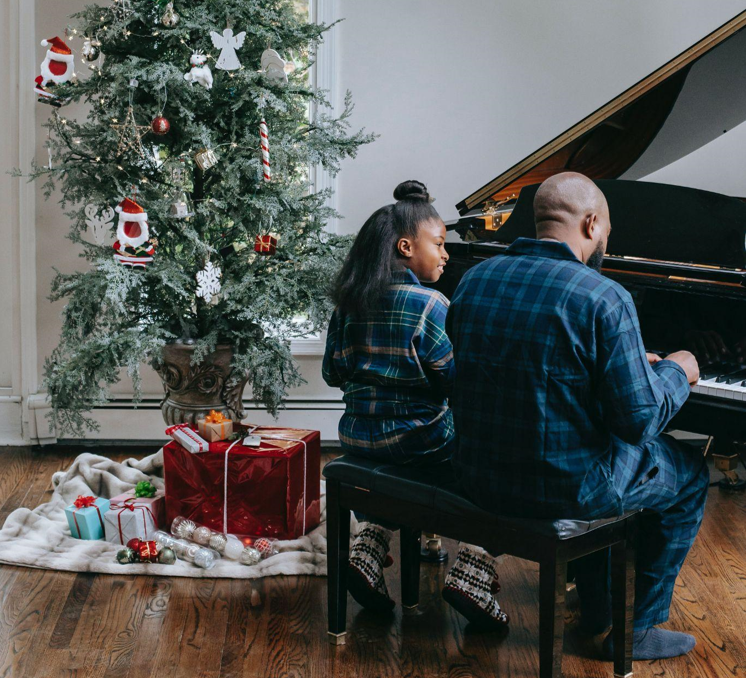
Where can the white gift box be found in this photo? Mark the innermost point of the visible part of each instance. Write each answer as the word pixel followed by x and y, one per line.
pixel 129 517
pixel 190 440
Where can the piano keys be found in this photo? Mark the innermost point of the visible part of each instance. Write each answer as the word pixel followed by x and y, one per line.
pixel 679 251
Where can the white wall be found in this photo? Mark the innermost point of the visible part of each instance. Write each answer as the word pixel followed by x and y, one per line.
pixel 458 91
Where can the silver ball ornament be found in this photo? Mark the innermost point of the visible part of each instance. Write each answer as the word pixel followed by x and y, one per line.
pixel 167 556
pixel 205 558
pixel 250 556
pixel 233 548
pixel 202 535
pixel 183 528
pixel 218 542
pixel 125 556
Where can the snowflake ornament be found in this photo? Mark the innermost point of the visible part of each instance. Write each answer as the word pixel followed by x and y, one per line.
pixel 208 282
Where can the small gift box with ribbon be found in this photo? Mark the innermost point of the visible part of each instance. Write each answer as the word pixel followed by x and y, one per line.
pixel 267 487
pixel 187 438
pixel 216 426
pixel 85 516
pixel 265 244
pixel 134 517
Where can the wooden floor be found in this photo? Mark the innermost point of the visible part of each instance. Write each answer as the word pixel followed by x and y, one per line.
pixel 62 624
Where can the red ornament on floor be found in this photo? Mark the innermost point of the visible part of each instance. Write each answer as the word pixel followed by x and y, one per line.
pixel 148 552
pixel 160 125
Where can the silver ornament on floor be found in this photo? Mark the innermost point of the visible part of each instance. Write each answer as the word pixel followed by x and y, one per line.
pixel 205 558
pixel 250 556
pixel 183 527
pixel 125 556
pixel 233 548
pixel 167 556
pixel 218 542
pixel 202 535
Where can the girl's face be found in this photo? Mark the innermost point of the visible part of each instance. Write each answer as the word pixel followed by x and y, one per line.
pixel 426 255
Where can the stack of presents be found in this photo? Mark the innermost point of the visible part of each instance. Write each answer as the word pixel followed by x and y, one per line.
pixel 231 491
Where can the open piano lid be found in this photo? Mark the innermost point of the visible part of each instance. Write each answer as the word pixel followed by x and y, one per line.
pixel 607 143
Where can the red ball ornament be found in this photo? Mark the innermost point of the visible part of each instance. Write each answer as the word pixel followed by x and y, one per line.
pixel 160 125
pixel 133 544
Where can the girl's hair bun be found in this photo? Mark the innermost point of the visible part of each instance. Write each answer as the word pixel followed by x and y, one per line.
pixel 412 190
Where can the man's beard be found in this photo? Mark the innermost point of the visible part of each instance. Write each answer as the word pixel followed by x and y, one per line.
pixel 596 258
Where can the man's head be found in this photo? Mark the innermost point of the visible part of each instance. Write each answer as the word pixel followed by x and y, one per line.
pixel 570 208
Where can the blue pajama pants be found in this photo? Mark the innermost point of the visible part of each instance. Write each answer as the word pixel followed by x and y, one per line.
pixel 670 481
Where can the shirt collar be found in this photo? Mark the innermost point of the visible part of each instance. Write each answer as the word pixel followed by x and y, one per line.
pixel 404 275
pixel 549 249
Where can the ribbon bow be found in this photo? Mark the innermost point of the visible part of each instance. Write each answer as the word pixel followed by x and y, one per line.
pixel 216 417
pixel 145 489
pixel 84 502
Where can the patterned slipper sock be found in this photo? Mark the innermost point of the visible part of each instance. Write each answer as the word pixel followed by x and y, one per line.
pixel 366 571
pixel 467 588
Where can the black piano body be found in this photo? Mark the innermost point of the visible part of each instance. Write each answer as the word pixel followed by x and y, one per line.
pixel 679 251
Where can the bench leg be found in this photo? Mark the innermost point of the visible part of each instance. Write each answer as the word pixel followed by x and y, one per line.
pixel 409 545
pixel 623 598
pixel 338 553
pixel 552 615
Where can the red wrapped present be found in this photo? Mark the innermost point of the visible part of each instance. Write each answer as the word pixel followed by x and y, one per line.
pixel 272 488
pixel 265 244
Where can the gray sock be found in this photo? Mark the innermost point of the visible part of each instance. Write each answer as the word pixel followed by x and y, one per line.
pixel 654 644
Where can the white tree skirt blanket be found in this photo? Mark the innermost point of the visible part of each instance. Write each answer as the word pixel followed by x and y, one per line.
pixel 41 537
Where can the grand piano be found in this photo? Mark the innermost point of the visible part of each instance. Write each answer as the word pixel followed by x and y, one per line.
pixel 679 251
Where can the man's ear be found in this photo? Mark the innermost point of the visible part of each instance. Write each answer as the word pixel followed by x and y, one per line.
pixel 404 247
pixel 590 223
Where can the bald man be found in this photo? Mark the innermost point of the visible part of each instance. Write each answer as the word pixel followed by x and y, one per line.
pixel 559 411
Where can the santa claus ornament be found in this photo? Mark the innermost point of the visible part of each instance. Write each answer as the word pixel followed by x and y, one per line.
pixel 133 247
pixel 56 69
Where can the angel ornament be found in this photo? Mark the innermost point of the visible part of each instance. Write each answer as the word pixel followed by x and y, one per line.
pixel 228 43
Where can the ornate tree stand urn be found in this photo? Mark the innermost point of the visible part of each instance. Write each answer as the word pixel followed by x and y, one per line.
pixel 193 390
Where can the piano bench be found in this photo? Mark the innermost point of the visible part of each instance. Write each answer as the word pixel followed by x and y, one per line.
pixel 427 499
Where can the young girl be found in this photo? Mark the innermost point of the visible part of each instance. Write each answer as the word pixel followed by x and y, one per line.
pixel 388 351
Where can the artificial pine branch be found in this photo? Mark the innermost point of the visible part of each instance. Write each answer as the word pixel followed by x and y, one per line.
pixel 118 318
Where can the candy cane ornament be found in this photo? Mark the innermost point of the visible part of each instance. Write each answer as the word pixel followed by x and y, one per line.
pixel 264 144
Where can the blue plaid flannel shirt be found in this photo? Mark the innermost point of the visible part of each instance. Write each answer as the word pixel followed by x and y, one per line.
pixel 395 369
pixel 551 369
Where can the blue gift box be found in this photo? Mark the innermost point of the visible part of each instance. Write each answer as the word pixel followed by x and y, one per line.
pixel 87 523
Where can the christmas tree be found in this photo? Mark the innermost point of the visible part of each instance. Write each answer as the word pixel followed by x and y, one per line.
pixel 201 130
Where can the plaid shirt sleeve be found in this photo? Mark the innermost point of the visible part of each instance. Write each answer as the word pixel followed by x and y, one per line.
pixel 638 401
pixel 434 348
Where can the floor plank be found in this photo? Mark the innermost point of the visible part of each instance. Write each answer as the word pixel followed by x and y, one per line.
pixel 62 624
